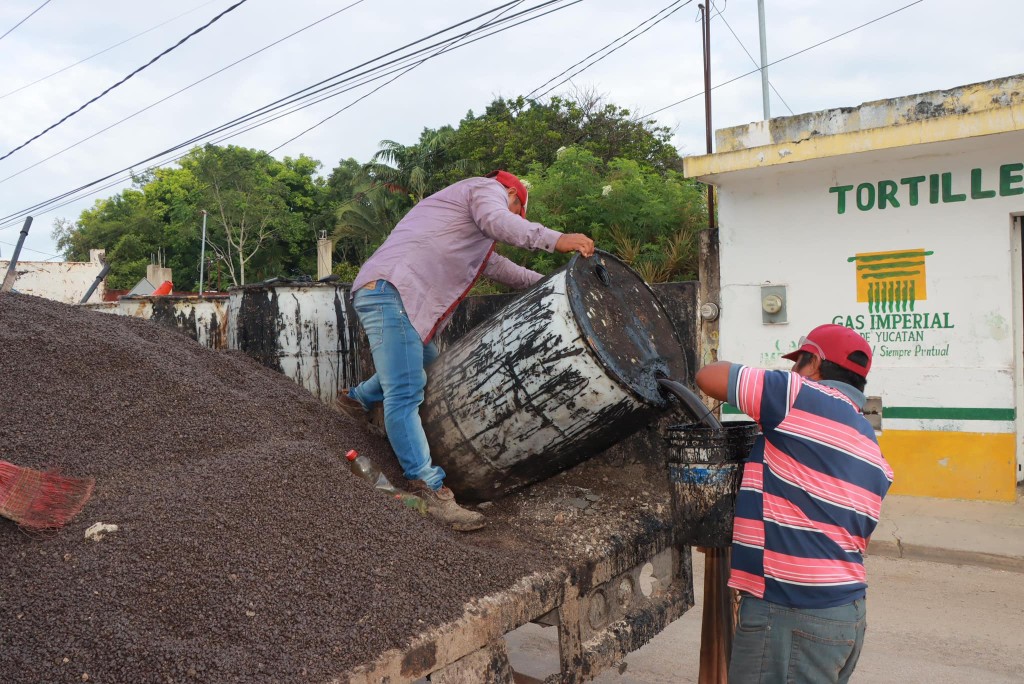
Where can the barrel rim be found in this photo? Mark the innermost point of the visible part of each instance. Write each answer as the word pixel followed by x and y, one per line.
pixel 657 398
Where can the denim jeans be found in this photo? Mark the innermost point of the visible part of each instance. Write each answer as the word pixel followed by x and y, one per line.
pixel 775 644
pixel 401 359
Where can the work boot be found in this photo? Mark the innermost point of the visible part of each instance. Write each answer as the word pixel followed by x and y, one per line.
pixel 348 406
pixel 441 505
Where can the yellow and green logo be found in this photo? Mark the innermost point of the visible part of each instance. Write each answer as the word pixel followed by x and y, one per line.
pixel 891 281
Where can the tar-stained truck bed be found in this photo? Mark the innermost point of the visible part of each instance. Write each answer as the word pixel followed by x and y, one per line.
pixel 616 578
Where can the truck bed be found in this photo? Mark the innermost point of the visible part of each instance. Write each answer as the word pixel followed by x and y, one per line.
pixel 610 578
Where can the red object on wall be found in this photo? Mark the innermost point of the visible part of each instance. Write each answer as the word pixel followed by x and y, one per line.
pixel 165 288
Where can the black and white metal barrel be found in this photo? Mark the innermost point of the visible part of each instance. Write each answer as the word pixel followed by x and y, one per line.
pixel 705 468
pixel 558 375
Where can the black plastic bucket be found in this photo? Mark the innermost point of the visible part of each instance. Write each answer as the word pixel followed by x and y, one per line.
pixel 705 468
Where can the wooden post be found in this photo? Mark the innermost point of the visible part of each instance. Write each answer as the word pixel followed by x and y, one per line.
pixel 717 619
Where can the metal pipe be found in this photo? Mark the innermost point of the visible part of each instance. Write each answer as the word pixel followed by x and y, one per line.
pixel 764 60
pixel 10 277
pixel 95 283
pixel 202 255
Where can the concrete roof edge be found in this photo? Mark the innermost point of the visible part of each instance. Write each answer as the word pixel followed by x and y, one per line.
pixel 941 129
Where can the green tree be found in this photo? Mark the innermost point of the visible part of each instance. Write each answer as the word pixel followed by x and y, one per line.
pixel 513 134
pixel 651 220
pixel 417 170
pixel 247 203
pixel 365 220
pixel 264 218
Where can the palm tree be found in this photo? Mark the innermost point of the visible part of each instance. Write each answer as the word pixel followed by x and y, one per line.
pixel 413 170
pixel 363 222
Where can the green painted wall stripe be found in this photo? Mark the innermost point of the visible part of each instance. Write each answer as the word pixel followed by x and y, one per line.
pixel 927 413
pixel 934 413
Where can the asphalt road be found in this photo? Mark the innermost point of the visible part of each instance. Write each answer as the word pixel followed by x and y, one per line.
pixel 927 623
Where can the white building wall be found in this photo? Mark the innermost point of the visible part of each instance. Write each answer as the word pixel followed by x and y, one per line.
pixel 781 226
pixel 62 281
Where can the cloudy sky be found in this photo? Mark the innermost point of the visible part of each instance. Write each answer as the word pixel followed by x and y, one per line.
pixel 933 44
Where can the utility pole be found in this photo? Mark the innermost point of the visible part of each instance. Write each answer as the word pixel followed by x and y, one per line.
pixel 202 255
pixel 717 616
pixel 764 60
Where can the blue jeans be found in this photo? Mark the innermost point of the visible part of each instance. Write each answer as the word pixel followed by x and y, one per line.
pixel 401 359
pixel 774 643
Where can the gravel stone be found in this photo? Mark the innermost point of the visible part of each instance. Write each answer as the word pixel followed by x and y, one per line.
pixel 246 550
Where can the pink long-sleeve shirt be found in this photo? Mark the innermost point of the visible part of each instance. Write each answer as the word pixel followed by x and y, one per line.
pixel 445 243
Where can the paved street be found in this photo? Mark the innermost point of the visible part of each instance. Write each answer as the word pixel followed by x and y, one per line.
pixel 927 622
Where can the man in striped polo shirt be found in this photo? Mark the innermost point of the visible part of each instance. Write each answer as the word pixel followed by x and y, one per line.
pixel 810 498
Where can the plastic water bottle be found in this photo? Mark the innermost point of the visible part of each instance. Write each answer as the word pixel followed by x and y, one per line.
pixel 365 468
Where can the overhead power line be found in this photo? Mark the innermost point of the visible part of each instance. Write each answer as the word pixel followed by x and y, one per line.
pixel 451 45
pixel 754 61
pixel 181 90
pixel 25 19
pixel 783 59
pixel 29 249
pixel 290 100
pixel 631 39
pixel 369 76
pixel 144 66
pixel 107 49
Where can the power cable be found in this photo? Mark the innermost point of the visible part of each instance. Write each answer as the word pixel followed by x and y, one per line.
pixel 617 48
pixel 314 89
pixel 181 90
pixel 530 94
pixel 29 249
pixel 144 66
pixel 283 102
pixel 783 59
pixel 450 46
pixel 754 61
pixel 267 118
pixel 333 90
pixel 107 49
pixel 25 19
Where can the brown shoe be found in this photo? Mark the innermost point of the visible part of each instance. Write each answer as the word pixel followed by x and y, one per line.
pixel 348 406
pixel 441 505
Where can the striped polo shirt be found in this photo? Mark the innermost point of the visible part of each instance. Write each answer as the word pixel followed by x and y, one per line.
pixel 811 492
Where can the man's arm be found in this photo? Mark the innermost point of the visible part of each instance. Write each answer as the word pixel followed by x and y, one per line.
pixel 713 380
pixel 488 208
pixel 509 273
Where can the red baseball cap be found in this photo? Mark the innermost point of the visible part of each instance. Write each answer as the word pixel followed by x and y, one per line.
pixel 835 343
pixel 510 181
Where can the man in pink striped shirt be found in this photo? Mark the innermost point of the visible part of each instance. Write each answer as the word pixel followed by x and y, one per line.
pixel 406 292
pixel 809 500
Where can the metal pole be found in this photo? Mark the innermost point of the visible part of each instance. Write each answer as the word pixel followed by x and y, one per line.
pixel 202 255
pixel 11 276
pixel 706 36
pixel 764 60
pixel 95 283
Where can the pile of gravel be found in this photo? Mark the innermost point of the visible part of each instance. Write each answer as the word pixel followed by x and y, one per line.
pixel 245 548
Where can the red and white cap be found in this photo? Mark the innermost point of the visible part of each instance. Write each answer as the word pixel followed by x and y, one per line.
pixel 835 343
pixel 510 181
